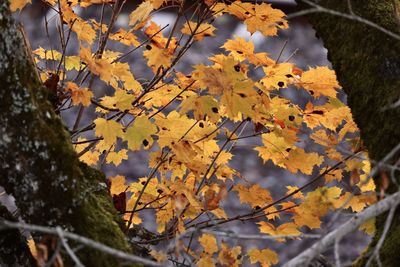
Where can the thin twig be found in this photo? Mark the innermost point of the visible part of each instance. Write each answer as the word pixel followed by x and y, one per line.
pixel 321 9
pixel 258 236
pixel 73 256
pixel 337 253
pixel 354 223
pixel 388 223
pixel 81 239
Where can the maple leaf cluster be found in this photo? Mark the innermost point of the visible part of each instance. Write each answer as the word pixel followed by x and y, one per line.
pixel 188 122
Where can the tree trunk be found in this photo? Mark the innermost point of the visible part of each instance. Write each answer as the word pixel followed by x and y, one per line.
pixel 367 63
pixel 38 164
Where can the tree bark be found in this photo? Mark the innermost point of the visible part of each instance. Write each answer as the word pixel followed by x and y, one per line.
pixel 367 63
pixel 38 164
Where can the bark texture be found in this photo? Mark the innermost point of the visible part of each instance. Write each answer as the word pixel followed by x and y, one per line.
pixel 367 63
pixel 38 165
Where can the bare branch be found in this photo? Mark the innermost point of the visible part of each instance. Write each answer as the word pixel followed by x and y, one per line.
pixel 321 9
pixel 380 207
pixel 258 236
pixel 81 239
pixel 73 256
pixel 378 246
pixel 337 253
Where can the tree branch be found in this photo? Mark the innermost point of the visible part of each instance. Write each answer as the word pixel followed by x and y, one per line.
pixel 351 225
pixel 4 224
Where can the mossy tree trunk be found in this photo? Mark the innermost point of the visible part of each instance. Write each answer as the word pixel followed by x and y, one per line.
pixel 367 63
pixel 38 165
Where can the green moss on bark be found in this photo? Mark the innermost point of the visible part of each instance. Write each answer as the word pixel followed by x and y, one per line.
pixel 367 63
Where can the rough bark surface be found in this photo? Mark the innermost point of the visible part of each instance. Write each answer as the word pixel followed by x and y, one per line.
pixel 38 165
pixel 367 63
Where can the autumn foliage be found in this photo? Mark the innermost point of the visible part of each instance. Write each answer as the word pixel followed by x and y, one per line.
pixel 189 123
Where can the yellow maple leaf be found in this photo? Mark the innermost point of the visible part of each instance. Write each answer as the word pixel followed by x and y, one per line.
pixel 290 229
pixel 117 157
pixel 51 2
pixel 230 256
pixel 138 186
pixel 121 72
pixel 320 81
pixel 72 62
pixel 154 32
pixel 185 150
pixel 239 48
pixel 286 115
pixel 99 67
pixel 82 28
pixel 366 183
pixel 228 78
pixel 314 115
pixel 164 215
pixel 158 3
pixel 109 130
pixel 275 148
pixel 86 3
pixel 135 219
pixel 299 160
pixel 140 133
pixel 157 57
pixel 202 30
pixel 175 126
pixel 308 213
pixel 32 247
pixel 121 100
pixel 219 213
pixel 90 157
pixel 166 93
pixel 140 15
pixel 356 203
pixel 241 101
pixel 117 184
pixel 206 261
pixel 258 17
pixel 209 243
pixel 108 72
pixel 220 77
pixel 111 55
pixel 125 37
pixel 79 95
pixel 266 20
pixel 335 116
pixel 18 4
pixel 254 195
pixel 47 54
pixel 277 76
pixel 334 175
pixel 99 26
pixel 291 189
pixel 324 138
pixel 241 10
pixel 265 257
pixel 369 227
